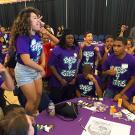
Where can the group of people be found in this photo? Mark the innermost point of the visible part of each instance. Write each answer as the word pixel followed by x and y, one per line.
pixel 72 70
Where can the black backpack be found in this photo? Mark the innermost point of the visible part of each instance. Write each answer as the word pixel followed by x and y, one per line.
pixel 66 110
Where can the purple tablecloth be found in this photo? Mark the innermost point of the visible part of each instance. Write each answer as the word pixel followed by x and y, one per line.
pixel 73 127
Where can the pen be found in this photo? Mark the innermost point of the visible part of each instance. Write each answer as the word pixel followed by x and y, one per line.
pixel 82 127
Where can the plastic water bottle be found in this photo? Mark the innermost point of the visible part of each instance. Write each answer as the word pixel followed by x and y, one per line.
pixel 51 108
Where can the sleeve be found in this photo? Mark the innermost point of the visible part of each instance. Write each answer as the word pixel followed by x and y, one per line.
pixel 55 55
pixel 106 65
pixel 22 45
pixel 98 80
pixel 132 69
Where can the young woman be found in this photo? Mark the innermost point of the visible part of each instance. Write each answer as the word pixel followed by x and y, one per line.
pixel 28 73
pixel 63 64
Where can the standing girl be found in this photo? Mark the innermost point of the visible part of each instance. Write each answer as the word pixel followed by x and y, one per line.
pixel 28 46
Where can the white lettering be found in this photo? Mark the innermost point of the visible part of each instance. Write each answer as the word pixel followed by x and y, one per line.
pixel 70 61
pixel 85 88
pixel 68 73
pixel 88 55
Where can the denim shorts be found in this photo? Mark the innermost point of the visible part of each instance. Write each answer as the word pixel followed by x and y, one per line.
pixel 25 75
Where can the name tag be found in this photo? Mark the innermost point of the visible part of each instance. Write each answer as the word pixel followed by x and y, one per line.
pixel 124 65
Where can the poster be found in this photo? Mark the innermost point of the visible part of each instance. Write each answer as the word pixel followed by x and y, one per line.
pixel 97 126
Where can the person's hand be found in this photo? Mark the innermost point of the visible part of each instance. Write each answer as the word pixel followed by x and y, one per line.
pixel 112 71
pixel 2 68
pixel 107 49
pixel 44 31
pixel 42 65
pixel 123 28
pixel 83 44
pixel 72 82
pixel 131 108
pixel 42 24
pixel 63 82
pixel 42 71
pixel 117 97
pixel 96 49
pixel 91 78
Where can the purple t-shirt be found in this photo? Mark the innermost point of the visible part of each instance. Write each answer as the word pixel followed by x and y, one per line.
pixel 29 45
pixel 88 56
pixel 125 70
pixel 86 87
pixel 65 62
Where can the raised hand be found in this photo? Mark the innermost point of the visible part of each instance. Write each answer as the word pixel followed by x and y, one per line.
pixel 91 78
pixel 107 49
pixel 96 49
pixel 124 28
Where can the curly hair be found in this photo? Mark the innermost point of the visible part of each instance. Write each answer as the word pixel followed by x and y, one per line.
pixel 21 25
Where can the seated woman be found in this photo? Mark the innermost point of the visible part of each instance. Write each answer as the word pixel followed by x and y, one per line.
pixel 88 84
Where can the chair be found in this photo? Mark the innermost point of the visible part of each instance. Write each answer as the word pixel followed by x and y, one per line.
pixel 101 38
pixel 76 36
pixel 81 37
pixel 95 38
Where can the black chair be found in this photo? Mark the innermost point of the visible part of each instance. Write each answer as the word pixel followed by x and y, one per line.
pixel 80 38
pixel 76 37
pixel 95 38
pixel 101 38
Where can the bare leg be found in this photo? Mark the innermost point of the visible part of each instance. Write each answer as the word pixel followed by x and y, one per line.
pixel 38 85
pixel 29 91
